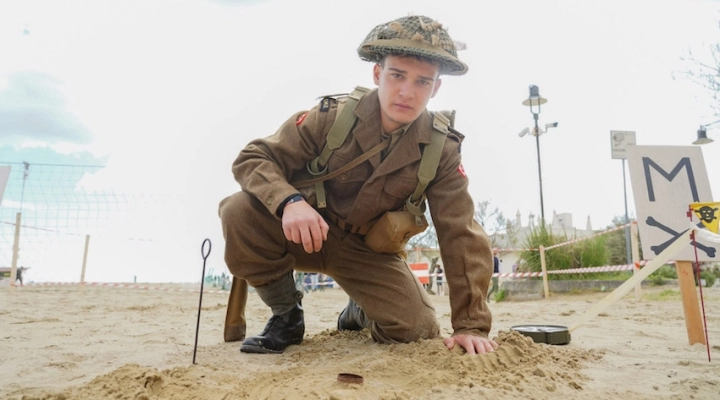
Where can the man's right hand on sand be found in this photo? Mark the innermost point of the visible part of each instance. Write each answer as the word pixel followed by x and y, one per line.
pixel 301 223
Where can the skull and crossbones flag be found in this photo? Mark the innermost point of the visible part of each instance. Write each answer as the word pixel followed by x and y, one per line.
pixel 708 214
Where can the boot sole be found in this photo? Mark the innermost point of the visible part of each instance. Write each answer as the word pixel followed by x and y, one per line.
pixel 254 349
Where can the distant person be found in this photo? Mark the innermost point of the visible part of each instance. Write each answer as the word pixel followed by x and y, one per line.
pixel 19 276
pixel 439 275
pixel 372 175
pixel 314 281
pixel 321 282
pixel 431 275
pixel 496 270
pixel 300 279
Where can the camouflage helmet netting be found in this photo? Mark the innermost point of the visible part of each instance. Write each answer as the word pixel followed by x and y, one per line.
pixel 413 35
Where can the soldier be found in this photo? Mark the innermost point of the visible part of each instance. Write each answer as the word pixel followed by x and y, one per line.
pixel 272 228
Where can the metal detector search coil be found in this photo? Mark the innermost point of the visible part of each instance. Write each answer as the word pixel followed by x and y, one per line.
pixel 549 334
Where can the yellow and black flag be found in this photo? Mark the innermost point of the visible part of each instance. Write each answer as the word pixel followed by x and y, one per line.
pixel 708 214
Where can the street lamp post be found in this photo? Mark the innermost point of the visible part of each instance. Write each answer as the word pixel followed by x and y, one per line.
pixel 534 101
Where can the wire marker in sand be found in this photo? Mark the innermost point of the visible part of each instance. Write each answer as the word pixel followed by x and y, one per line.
pixel 204 256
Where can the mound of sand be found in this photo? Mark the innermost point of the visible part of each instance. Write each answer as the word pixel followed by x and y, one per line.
pixel 109 343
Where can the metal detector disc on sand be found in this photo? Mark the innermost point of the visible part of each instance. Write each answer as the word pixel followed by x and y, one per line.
pixel 549 334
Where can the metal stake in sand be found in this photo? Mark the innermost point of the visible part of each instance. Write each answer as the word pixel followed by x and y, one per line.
pixel 202 283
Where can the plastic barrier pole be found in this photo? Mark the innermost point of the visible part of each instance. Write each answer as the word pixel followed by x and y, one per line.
pixel 16 251
pixel 84 264
pixel 635 258
pixel 546 287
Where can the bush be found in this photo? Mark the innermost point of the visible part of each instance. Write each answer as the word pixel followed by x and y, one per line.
pixel 656 280
pixel 709 278
pixel 585 253
pixel 658 277
pixel 666 271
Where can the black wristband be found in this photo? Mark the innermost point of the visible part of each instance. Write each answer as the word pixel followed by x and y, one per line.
pixel 291 199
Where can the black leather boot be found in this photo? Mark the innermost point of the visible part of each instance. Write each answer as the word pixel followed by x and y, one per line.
pixel 280 332
pixel 352 318
pixel 286 326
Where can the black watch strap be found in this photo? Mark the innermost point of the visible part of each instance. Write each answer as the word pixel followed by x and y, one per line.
pixel 292 199
pixel 295 198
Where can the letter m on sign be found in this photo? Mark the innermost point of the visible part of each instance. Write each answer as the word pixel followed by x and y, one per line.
pixel 683 163
pixel 665 180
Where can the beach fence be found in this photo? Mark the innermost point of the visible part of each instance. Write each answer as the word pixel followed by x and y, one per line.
pixel 545 272
pixel 422 269
pixel 57 220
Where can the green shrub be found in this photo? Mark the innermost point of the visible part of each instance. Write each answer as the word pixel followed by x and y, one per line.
pixel 716 271
pixel 500 295
pixel 586 253
pixel 658 277
pixel 656 280
pixel 709 277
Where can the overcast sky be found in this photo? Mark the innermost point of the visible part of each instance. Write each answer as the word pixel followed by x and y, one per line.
pixel 166 93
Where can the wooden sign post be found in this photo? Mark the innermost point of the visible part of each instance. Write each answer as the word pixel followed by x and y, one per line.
pixel 693 320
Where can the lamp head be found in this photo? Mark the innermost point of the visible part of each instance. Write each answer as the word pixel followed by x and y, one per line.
pixel 524 132
pixel 534 99
pixel 702 136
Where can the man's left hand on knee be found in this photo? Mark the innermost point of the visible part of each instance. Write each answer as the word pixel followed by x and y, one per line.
pixel 471 343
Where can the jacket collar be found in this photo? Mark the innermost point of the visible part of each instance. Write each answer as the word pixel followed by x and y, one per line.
pixel 368 133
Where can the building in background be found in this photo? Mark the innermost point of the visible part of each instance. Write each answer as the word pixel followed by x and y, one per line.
pixel 513 241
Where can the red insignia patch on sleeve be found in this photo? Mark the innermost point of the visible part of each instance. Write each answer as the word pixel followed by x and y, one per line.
pixel 300 119
pixel 461 171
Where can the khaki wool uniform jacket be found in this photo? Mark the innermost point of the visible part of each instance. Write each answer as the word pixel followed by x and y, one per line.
pixel 364 193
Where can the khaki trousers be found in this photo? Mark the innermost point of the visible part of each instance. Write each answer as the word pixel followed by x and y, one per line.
pixel 383 285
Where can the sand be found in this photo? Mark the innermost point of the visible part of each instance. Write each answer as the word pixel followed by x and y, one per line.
pixel 99 342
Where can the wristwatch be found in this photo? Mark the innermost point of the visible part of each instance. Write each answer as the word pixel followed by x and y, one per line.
pixel 292 199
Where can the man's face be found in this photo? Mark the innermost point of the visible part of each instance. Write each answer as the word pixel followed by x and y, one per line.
pixel 405 86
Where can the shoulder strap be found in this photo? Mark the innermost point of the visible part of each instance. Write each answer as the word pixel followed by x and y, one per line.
pixel 429 163
pixel 344 121
pixel 342 126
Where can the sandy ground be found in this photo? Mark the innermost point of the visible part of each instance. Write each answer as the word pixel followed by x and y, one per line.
pixel 94 342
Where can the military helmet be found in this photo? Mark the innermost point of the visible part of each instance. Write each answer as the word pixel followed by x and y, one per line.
pixel 413 35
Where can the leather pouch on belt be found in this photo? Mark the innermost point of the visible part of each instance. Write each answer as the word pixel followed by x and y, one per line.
pixel 392 231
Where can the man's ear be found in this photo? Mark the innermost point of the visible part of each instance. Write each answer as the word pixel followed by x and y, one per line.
pixel 377 69
pixel 438 83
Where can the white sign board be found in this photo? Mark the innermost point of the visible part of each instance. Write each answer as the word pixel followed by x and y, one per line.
pixel 619 142
pixel 4 178
pixel 665 180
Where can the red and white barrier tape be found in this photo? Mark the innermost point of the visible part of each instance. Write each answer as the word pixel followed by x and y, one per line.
pixel 607 268
pixel 517 275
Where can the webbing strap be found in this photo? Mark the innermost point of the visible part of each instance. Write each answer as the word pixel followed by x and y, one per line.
pixel 429 164
pixel 344 122
pixel 352 164
pixel 338 132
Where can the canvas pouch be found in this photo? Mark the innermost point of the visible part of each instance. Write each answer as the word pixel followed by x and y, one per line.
pixel 392 231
